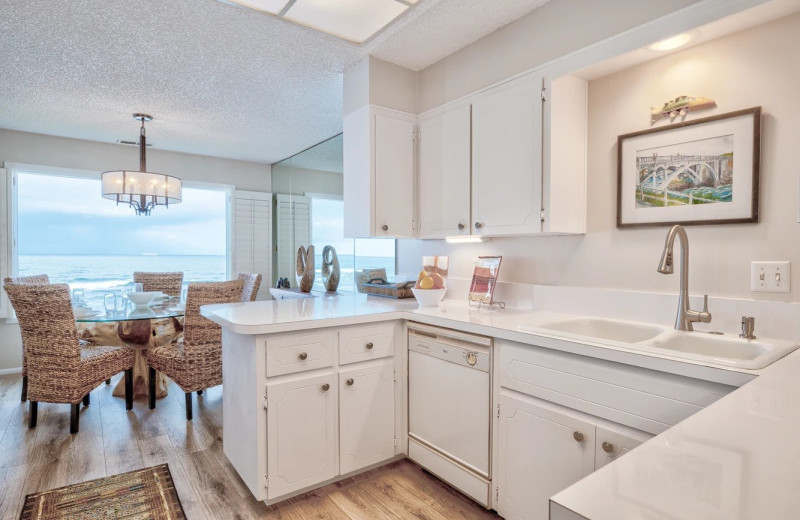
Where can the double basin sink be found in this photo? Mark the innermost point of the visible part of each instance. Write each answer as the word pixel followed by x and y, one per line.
pixel 719 349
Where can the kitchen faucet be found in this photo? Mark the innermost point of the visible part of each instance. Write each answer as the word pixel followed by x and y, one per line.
pixel 686 316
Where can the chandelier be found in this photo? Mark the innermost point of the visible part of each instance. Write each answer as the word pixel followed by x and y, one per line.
pixel 141 190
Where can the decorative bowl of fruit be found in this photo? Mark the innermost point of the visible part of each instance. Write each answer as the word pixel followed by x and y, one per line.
pixel 430 289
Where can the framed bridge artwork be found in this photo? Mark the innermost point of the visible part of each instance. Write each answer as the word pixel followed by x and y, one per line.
pixel 695 172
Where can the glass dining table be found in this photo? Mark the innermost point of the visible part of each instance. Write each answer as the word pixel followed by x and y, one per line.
pixel 138 328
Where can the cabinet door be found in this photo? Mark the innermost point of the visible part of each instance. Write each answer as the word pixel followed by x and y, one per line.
pixel 444 173
pixel 612 443
pixel 538 456
pixel 507 158
pixel 394 176
pixel 366 416
pixel 301 433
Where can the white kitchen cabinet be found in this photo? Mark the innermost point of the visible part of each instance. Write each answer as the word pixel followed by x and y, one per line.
pixel 612 442
pixel 379 173
pixel 366 416
pixel 301 433
pixel 507 158
pixel 445 172
pixel 541 452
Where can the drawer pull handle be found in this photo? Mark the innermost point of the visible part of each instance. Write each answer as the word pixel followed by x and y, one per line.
pixel 578 436
pixel 350 382
pixel 608 447
pixel 303 356
pixel 370 345
pixel 326 387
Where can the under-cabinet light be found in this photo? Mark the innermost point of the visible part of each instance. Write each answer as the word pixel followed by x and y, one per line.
pixel 465 239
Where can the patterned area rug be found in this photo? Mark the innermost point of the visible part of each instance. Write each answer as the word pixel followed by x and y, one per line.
pixel 144 494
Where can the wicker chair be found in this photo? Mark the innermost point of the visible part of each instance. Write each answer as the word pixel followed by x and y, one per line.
pixel 168 283
pixel 61 371
pixel 36 279
pixel 194 361
pixel 251 284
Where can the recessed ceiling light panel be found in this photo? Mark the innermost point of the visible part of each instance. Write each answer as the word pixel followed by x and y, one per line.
pixel 672 42
pixel 353 20
pixel 268 6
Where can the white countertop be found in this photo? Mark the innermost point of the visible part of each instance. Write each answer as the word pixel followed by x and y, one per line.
pixel 737 459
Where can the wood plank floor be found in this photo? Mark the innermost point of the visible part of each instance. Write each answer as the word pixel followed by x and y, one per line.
pixel 112 441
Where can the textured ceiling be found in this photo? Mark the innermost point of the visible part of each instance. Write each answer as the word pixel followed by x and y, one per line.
pixel 327 156
pixel 220 79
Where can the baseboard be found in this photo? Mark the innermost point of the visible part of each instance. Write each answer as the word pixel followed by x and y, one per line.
pixel 6 371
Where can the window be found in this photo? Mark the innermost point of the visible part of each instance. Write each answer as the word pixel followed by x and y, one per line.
pixel 327 228
pixel 65 229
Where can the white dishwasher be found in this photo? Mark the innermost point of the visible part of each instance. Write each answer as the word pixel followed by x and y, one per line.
pixel 449 407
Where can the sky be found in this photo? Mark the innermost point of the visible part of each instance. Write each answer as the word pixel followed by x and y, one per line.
pixel 68 216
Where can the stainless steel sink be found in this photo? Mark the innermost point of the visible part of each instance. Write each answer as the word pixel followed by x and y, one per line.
pixel 600 329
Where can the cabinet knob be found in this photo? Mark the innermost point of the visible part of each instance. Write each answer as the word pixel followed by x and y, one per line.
pixel 460 226
pixel 326 387
pixel 350 382
pixel 303 356
pixel 608 447
pixel 369 345
pixel 578 436
pixel 385 227
pixel 478 225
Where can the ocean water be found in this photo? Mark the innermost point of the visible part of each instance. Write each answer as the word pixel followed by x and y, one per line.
pixel 98 274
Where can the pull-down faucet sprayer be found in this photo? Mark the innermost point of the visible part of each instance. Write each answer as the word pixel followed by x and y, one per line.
pixel 686 316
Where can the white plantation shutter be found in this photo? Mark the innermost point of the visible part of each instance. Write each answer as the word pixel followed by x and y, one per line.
pixel 252 236
pixel 293 226
pixel 5 242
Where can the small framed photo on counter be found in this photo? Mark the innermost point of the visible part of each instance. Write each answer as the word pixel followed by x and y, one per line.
pixel 696 172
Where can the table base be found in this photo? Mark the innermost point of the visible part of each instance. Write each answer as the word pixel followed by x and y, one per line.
pixel 140 376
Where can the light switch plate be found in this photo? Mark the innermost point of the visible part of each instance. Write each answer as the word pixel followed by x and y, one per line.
pixel 770 276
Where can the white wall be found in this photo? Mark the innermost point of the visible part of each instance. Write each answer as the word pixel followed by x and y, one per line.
pixel 553 30
pixel 378 82
pixel 44 150
pixel 751 68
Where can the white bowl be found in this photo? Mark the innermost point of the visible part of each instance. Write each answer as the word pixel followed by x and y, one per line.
pixel 142 299
pixel 428 297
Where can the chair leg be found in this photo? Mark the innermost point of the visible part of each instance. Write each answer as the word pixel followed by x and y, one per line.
pixel 151 387
pixel 74 417
pixel 199 392
pixel 86 400
pixel 108 381
pixel 33 413
pixel 188 406
pixel 129 389
pixel 24 388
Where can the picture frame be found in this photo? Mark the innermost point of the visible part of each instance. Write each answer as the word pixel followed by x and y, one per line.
pixel 484 280
pixel 695 172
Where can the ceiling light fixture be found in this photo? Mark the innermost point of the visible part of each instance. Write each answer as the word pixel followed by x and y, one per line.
pixel 353 20
pixel 141 190
pixel 673 42
pixel 465 239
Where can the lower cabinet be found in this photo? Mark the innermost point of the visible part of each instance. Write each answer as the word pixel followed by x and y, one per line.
pixel 544 448
pixel 366 416
pixel 541 452
pixel 301 428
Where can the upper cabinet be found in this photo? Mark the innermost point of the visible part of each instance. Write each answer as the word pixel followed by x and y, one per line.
pixel 507 158
pixel 379 180
pixel 444 172
pixel 508 161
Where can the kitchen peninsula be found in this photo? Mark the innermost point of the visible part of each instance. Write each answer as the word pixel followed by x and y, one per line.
pixel 294 418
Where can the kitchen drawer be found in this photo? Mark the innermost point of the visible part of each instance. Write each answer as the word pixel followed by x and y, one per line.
pixel 641 398
pixel 366 342
pixel 291 353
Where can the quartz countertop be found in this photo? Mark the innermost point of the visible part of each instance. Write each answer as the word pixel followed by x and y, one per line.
pixel 737 459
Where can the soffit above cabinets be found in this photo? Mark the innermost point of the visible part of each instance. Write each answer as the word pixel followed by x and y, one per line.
pixel 353 20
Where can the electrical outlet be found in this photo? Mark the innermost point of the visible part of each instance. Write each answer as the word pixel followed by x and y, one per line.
pixel 770 276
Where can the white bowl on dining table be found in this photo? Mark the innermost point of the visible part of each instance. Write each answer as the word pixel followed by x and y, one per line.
pixel 144 298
